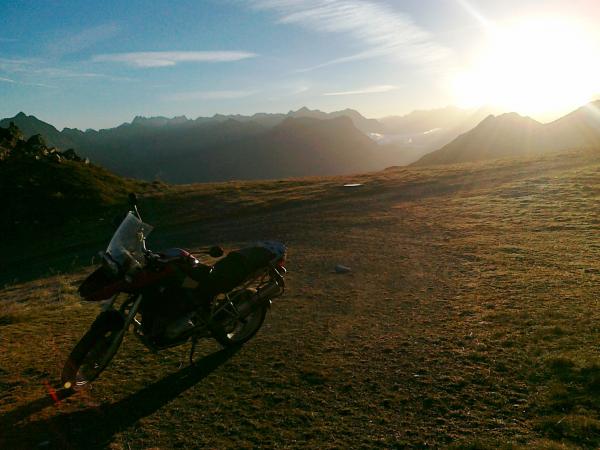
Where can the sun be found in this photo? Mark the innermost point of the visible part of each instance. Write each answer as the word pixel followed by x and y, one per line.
pixel 538 67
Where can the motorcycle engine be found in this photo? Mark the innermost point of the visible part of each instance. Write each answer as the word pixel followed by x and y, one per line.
pixel 163 306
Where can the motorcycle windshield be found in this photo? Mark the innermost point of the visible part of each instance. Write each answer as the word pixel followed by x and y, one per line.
pixel 127 244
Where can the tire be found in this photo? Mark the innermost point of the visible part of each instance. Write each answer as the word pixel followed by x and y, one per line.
pixel 241 331
pixel 94 351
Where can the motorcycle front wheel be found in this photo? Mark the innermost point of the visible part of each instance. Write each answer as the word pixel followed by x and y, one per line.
pixel 94 351
pixel 241 331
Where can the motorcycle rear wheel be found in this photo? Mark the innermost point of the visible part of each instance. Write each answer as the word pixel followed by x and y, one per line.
pixel 93 352
pixel 241 331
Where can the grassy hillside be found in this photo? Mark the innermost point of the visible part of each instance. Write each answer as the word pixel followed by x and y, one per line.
pixel 43 187
pixel 469 319
pixel 51 202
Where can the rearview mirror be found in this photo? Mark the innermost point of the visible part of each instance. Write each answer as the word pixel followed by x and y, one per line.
pixel 216 251
pixel 132 200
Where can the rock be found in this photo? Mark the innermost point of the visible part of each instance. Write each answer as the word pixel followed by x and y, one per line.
pixel 36 141
pixel 342 269
pixel 11 135
pixel 13 146
pixel 4 153
pixel 71 155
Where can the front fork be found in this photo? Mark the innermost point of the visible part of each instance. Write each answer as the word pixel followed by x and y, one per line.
pixel 108 304
pixel 118 338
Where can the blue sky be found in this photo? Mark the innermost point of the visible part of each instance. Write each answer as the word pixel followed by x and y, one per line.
pixel 97 64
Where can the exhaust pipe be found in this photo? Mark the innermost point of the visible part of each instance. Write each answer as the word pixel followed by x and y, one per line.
pixel 258 300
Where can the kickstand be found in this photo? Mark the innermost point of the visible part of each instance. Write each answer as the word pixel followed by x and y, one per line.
pixel 193 349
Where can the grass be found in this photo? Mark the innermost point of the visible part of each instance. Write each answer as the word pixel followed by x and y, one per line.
pixel 469 320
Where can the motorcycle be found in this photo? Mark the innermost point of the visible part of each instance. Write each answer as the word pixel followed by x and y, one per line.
pixel 170 297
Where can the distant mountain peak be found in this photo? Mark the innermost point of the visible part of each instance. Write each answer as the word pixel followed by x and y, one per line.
pixel 514 135
pixel 158 120
pixel 31 125
pixel 489 118
pixel 508 119
pixel 22 116
pixel 512 116
pixel 293 121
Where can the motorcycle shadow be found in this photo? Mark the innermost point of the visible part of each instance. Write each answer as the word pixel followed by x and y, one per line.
pixel 94 428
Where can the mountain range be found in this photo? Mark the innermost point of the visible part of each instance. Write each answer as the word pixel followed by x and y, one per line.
pixel 223 147
pixel 512 135
pixel 310 142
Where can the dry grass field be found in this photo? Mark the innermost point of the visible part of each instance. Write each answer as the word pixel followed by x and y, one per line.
pixel 470 320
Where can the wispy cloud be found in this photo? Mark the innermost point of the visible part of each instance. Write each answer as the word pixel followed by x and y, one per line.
pixel 44 85
pixel 367 90
pixel 17 64
pixel 24 83
pixel 73 43
pixel 55 72
pixel 208 95
pixel 165 59
pixel 380 30
pixel 33 67
pixel 299 90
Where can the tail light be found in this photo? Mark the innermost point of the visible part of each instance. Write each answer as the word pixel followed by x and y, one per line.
pixel 280 266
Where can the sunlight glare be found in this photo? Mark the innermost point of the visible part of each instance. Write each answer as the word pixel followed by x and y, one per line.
pixel 534 67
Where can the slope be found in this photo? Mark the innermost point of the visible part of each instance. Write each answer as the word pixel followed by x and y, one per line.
pixel 511 135
pixel 469 320
pixel 42 186
pixel 295 148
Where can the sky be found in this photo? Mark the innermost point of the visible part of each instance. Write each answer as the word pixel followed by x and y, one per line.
pixel 90 64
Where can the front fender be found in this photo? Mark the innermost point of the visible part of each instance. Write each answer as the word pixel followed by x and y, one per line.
pixel 100 285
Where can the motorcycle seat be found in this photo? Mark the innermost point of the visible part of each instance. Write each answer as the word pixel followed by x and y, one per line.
pixel 237 267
